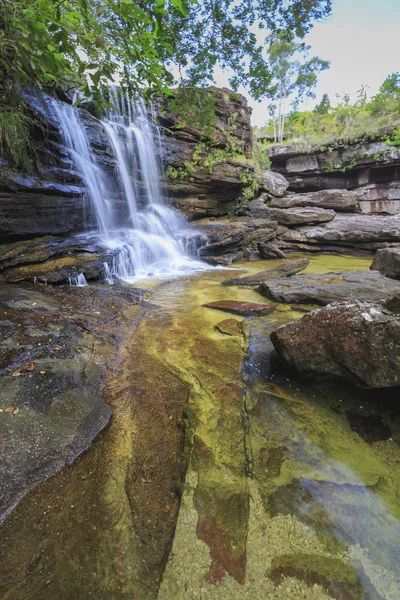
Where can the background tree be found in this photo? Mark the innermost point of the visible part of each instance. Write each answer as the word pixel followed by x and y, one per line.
pixel 324 107
pixel 294 74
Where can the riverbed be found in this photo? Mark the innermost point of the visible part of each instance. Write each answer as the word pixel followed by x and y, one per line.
pixel 220 476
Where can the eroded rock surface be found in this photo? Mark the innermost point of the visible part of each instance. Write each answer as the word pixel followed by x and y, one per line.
pixel 369 286
pixel 356 341
pixel 301 216
pixel 339 200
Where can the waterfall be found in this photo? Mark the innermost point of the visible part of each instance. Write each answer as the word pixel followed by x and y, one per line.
pixel 142 234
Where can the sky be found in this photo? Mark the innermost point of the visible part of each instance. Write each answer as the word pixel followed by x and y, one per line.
pixel 362 41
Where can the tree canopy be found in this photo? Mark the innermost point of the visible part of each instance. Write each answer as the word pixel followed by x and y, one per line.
pixel 143 43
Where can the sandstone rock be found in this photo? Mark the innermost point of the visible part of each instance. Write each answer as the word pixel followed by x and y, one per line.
pixel 285 269
pixel 270 251
pixel 246 309
pixel 350 229
pixel 338 200
pixel 369 286
pixel 387 261
pixel 224 259
pixel 274 183
pixel 59 270
pixel 230 327
pixel 303 215
pixel 356 341
pixel 28 214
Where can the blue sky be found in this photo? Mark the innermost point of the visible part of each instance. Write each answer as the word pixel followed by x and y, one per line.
pixel 362 41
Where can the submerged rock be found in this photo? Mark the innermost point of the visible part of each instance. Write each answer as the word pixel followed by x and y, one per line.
pixel 368 286
pixel 246 309
pixel 283 270
pixel 230 327
pixel 357 341
pixel 387 261
pixel 339 579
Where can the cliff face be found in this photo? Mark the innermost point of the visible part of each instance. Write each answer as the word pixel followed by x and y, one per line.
pixel 208 189
pixel 370 167
pixel 50 199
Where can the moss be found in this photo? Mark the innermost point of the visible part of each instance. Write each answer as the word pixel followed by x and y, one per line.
pixel 15 136
pixel 339 579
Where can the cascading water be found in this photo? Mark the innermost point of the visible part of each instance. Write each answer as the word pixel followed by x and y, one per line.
pixel 144 237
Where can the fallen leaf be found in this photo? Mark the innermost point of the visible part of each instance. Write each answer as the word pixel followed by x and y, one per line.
pixel 9 409
pixel 31 367
pixel 16 411
pixel 34 303
pixel 42 372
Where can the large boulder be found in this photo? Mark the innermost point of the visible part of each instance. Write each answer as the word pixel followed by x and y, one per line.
pixel 274 183
pixel 356 341
pixel 285 269
pixel 302 216
pixel 368 286
pixel 387 261
pixel 339 200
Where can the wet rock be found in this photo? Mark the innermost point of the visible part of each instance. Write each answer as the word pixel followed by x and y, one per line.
pixel 338 200
pixel 270 251
pixel 393 303
pixel 230 327
pixel 52 377
pixel 224 259
pixel 246 309
pixel 285 269
pixel 60 411
pixel 28 214
pixel 274 183
pixel 369 286
pixel 355 341
pixel 370 427
pixel 59 270
pixel 302 216
pixel 339 579
pixel 387 261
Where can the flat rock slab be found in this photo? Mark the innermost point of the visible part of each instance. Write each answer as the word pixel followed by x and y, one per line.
pixel 350 229
pixel 302 216
pixel 283 270
pixel 230 327
pixel 367 286
pixel 54 346
pixel 340 200
pixel 246 309
pixel 357 341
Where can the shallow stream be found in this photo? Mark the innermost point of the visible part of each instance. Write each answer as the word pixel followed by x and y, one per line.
pixel 290 489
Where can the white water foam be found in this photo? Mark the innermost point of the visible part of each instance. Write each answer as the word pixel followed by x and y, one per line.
pixel 145 237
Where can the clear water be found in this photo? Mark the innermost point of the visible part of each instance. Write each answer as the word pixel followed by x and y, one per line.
pixel 143 235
